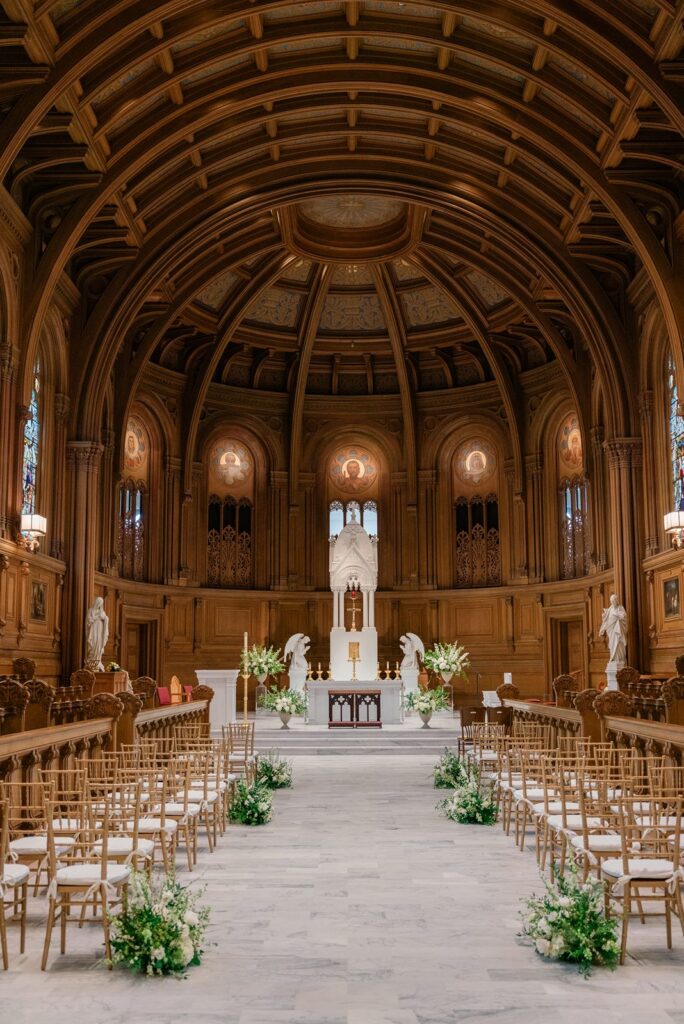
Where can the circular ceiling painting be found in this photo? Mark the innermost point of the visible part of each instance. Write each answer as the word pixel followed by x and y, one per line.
pixel 475 461
pixel 570 444
pixel 351 211
pixel 353 470
pixel 230 462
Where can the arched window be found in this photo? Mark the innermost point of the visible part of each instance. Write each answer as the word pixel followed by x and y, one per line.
pixel 676 432
pixel 340 514
pixel 478 556
pixel 132 531
pixel 229 553
pixel 31 450
pixel 336 518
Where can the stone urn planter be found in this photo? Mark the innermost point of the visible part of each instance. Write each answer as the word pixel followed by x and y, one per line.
pixel 262 677
pixel 285 717
pixel 425 717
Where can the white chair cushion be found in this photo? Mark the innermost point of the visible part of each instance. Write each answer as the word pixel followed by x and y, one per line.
pixel 555 807
pixel 124 844
pixel 90 874
pixel 240 758
pixel 198 795
pixel 14 874
pixel 39 844
pixel 232 777
pixel 638 868
pixel 572 821
pixel 532 794
pixel 154 825
pixel 178 808
pixel 598 843
pixel 66 824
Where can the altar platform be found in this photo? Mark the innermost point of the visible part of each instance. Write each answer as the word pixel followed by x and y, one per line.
pixel 310 740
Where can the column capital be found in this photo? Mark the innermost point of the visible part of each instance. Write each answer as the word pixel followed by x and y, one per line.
pixel 624 452
pixel 85 453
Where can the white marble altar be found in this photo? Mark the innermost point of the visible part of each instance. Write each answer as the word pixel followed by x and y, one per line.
pixel 224 684
pixel 390 698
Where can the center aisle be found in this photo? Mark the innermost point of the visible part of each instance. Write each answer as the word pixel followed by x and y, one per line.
pixel 358 904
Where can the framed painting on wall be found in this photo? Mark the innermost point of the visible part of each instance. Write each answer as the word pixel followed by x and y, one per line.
pixel 38 601
pixel 671 598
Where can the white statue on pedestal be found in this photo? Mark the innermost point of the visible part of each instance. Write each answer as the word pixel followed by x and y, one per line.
pixel 296 649
pixel 98 633
pixel 614 628
pixel 413 648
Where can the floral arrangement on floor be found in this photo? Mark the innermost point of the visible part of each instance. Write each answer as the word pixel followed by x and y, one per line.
pixel 292 702
pixel 470 804
pixel 569 923
pixel 450 772
pixel 426 701
pixel 259 660
pixel 251 805
pixel 160 929
pixel 447 658
pixel 274 772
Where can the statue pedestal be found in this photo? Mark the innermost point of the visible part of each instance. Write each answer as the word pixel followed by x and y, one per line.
pixel 612 670
pixel 297 678
pixel 111 682
pixel 224 684
pixel 409 678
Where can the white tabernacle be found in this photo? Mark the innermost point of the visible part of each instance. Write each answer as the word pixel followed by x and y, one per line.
pixel 223 682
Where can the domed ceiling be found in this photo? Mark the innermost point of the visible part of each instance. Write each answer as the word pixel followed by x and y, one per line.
pixel 346 197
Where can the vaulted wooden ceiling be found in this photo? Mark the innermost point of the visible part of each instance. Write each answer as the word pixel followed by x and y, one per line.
pixel 174 157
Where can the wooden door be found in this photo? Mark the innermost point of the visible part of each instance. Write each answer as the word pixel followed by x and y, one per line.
pixel 569 655
pixel 132 654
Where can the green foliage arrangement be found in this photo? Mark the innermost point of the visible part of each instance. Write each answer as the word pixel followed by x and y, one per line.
pixel 160 929
pixel 427 700
pixel 569 923
pixel 447 658
pixel 251 805
pixel 274 772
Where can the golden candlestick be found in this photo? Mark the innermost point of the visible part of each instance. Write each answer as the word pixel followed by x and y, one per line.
pixel 245 676
pixel 354 656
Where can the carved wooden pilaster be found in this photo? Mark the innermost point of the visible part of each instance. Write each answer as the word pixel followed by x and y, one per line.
pixel 8 384
pixel 598 505
pixel 84 511
pixel 427 536
pixel 535 516
pixel 650 483
pixel 624 461
pixel 279 529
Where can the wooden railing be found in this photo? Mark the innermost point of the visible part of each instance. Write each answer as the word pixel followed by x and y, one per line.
pixel 647 737
pixel 115 721
pixel 563 721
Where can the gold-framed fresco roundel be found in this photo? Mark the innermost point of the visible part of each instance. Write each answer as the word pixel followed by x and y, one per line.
pixel 231 463
pixel 475 461
pixel 353 470
pixel 136 445
pixel 570 445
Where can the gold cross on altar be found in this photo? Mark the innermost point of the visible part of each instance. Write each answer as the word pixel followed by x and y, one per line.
pixel 354 657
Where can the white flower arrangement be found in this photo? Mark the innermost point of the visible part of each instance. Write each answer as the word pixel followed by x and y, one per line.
pixel 450 772
pixel 447 658
pixel 160 929
pixel 274 772
pixel 260 660
pixel 291 702
pixel 469 805
pixel 569 923
pixel 251 805
pixel 425 701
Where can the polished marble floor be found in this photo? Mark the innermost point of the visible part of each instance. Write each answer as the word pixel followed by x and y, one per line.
pixel 358 904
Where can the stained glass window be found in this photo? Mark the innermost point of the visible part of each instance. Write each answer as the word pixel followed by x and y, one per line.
pixel 29 473
pixel 676 438
pixel 132 531
pixel 574 528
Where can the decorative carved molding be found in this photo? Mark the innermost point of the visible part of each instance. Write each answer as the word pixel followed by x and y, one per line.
pixel 613 703
pixel 584 700
pixel 105 705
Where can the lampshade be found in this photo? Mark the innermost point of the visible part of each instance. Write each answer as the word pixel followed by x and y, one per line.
pixel 34 524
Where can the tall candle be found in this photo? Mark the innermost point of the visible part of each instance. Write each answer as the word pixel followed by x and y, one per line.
pixel 244 640
pixel 508 677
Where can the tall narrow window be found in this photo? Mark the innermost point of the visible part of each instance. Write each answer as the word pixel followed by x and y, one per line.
pixel 370 518
pixel 676 425
pixel 132 531
pixel 31 451
pixel 133 501
pixel 574 527
pixel 478 557
pixel 336 518
pixel 229 542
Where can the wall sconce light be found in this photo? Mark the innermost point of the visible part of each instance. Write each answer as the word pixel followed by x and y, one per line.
pixel 674 527
pixel 33 528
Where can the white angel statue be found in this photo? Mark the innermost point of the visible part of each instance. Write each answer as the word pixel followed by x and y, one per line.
pixel 296 649
pixel 412 646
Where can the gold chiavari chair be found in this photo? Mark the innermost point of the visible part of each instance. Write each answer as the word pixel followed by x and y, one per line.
pixel 86 877
pixel 241 754
pixel 27 826
pixel 179 808
pixel 14 880
pixel 649 867
pixel 153 825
